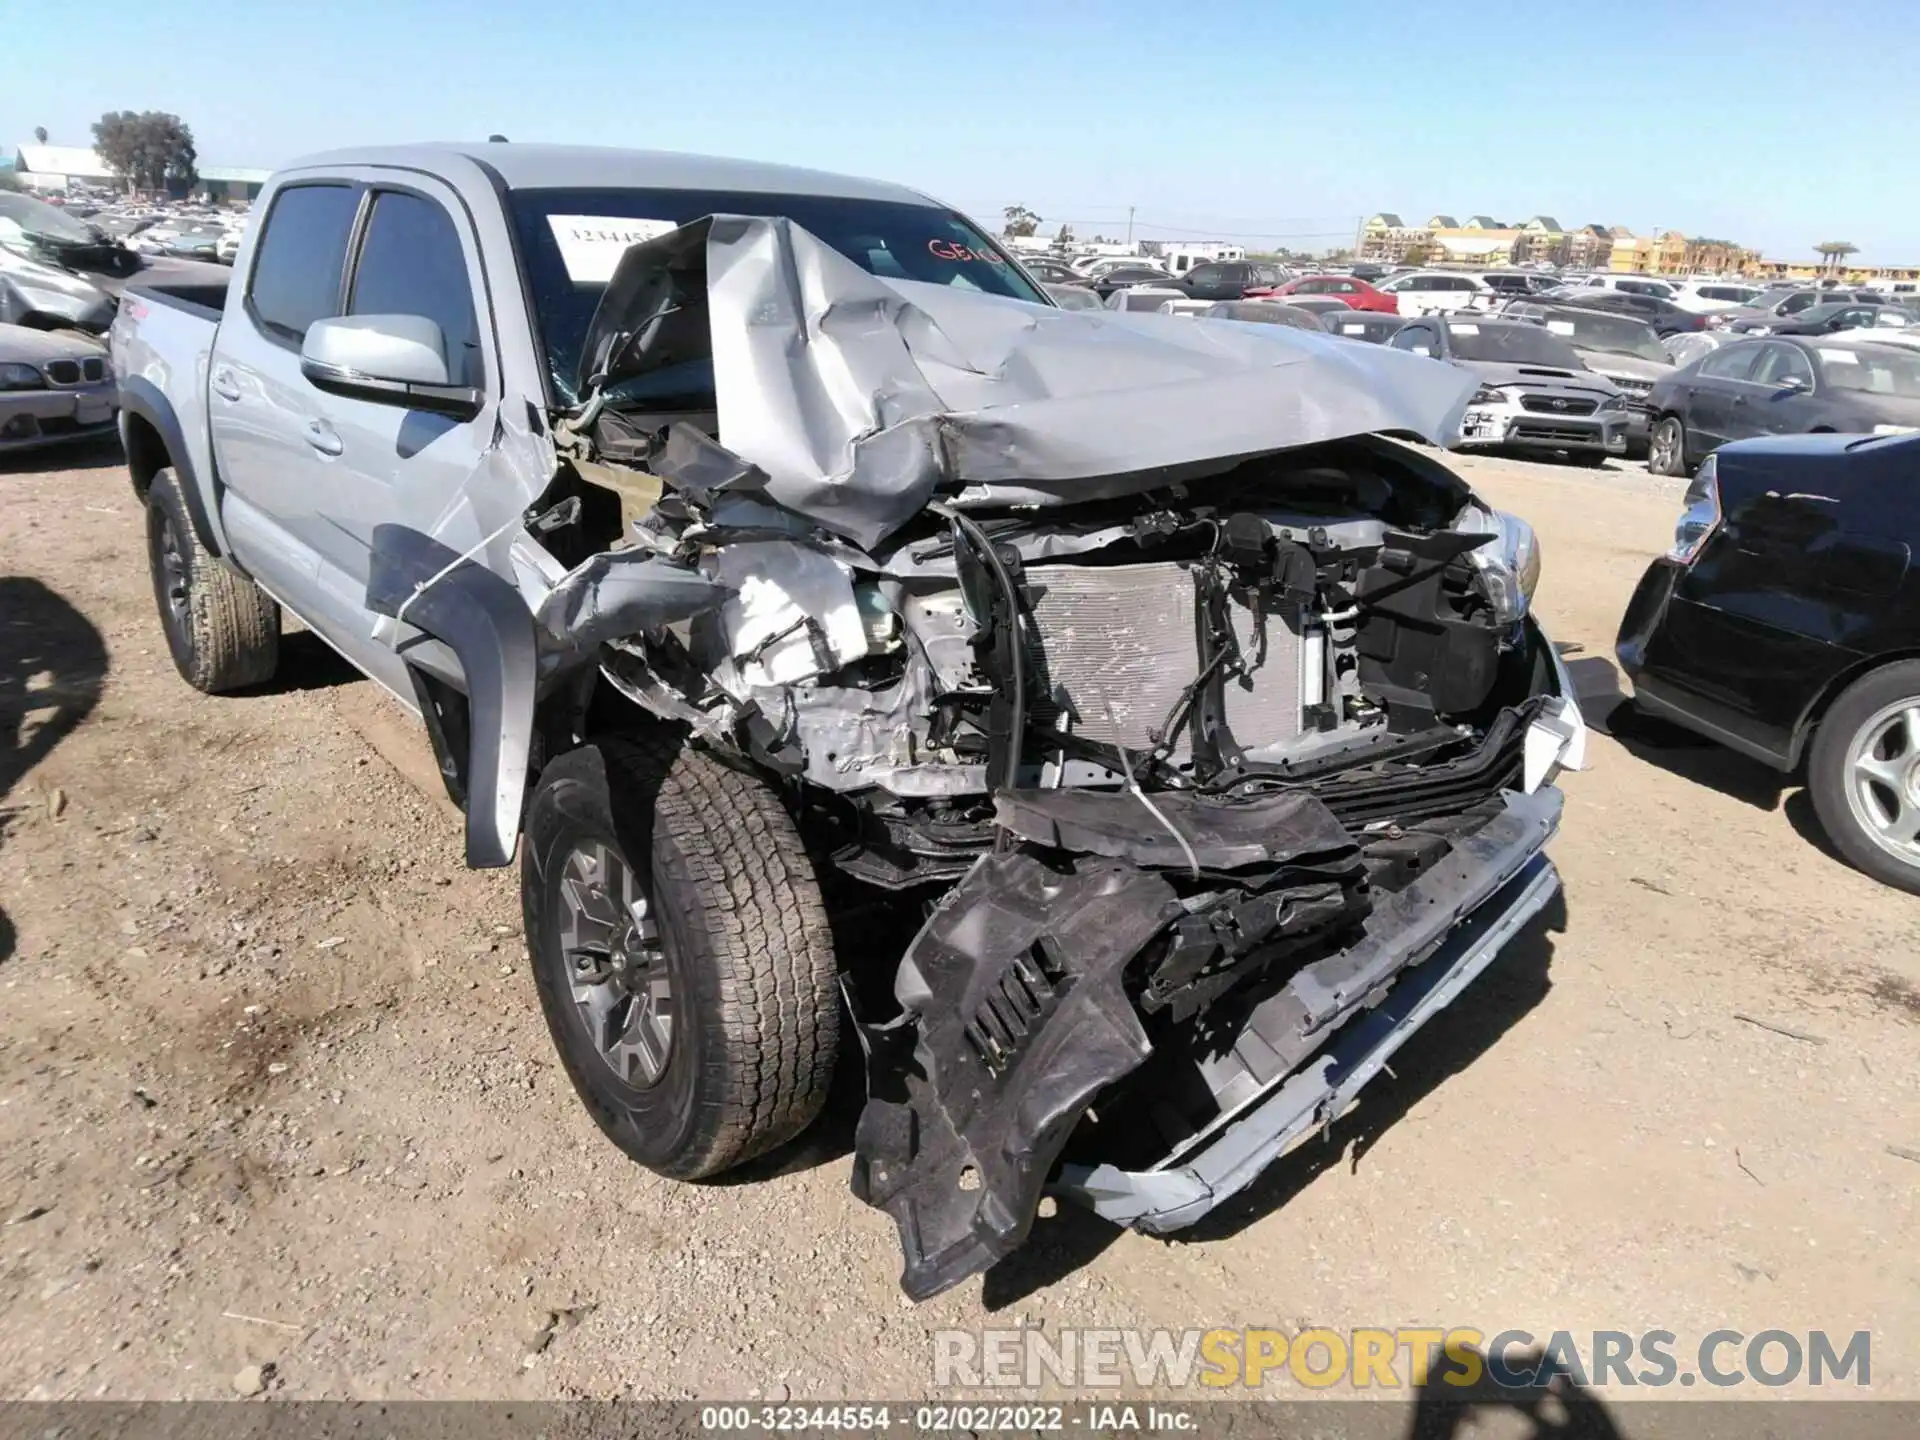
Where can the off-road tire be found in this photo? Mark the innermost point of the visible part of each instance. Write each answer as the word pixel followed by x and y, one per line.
pixel 222 630
pixel 1673 462
pixel 748 950
pixel 1827 777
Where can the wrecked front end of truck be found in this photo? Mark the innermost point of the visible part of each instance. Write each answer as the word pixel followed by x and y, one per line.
pixel 1207 730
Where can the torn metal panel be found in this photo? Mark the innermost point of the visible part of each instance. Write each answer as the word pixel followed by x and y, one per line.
pixel 857 399
pixel 1220 834
pixel 792 615
pixel 1014 1019
pixel 623 592
pixel 487 625
pixel 1181 1191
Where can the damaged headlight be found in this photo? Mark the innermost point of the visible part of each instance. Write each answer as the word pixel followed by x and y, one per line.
pixel 1509 562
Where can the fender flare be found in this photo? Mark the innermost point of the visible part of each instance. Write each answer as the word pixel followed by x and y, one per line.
pixel 140 397
pixel 483 620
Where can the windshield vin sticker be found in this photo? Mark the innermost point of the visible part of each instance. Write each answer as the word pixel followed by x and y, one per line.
pixel 591 245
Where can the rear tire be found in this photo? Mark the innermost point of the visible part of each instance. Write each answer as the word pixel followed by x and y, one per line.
pixel 1863 775
pixel 1667 447
pixel 222 630
pixel 722 930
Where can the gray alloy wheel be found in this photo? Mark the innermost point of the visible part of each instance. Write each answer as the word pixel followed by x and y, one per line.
pixel 616 968
pixel 1667 450
pixel 1863 774
pixel 1883 779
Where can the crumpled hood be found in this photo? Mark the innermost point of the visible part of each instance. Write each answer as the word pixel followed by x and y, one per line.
pixel 857 399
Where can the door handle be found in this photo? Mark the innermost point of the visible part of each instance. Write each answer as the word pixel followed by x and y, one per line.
pixel 324 438
pixel 1739 399
pixel 224 385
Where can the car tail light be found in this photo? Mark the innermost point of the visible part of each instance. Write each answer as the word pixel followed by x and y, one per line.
pixel 1701 517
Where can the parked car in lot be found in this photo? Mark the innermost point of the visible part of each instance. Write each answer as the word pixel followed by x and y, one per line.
pixel 1073 297
pixel 1262 312
pixel 1516 284
pixel 1690 345
pixel 1781 386
pixel 1784 622
pixel 1663 315
pixel 1535 393
pixel 1354 294
pixel 1368 325
pixel 1049 271
pixel 1321 305
pixel 1826 319
pixel 1704 297
pixel 1623 349
pixel 697 590
pixel 1631 285
pixel 1155 299
pixel 1121 277
pixel 1437 292
pixel 1783 303
pixel 1230 279
pixel 53 387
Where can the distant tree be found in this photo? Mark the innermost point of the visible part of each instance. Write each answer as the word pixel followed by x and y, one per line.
pixel 1020 222
pixel 40 134
pixel 1065 236
pixel 1417 254
pixel 150 150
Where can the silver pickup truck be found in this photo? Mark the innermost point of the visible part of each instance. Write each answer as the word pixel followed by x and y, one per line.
pixel 760 548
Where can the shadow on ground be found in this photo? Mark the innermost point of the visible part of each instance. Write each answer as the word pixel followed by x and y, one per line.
pixel 1551 1400
pixel 306 663
pixel 1510 987
pixel 1667 746
pixel 101 454
pixel 53 664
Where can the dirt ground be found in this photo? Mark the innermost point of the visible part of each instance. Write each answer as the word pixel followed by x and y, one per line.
pixel 274 1088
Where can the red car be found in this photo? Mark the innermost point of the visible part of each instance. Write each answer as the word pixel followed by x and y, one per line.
pixel 1358 294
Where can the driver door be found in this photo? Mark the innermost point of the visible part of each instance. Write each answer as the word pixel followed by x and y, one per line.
pixel 1782 390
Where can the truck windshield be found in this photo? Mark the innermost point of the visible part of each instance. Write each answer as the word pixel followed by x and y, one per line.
pixel 570 241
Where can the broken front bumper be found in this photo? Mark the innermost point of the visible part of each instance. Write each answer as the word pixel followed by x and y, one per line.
pixel 1442 931
pixel 1015 1019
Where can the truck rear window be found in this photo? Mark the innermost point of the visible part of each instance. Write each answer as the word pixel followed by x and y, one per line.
pixel 570 240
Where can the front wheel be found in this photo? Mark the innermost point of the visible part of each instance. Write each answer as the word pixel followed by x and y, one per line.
pixel 1667 448
pixel 681 953
pixel 1863 775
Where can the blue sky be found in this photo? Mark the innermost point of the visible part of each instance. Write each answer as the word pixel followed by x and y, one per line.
pixel 1271 121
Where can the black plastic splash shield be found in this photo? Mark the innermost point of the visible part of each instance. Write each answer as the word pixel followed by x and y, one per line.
pixel 1015 1018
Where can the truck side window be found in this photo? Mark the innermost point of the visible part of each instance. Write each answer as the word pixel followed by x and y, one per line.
pixel 296 275
pixel 411 264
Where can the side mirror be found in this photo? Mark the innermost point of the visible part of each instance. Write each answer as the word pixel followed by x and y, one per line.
pixel 387 360
pixel 1792 385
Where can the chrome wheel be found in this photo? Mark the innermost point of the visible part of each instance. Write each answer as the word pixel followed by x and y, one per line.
pixel 1665 451
pixel 1883 779
pixel 616 969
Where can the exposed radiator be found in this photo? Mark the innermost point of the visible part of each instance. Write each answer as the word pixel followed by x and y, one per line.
pixel 1119 648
